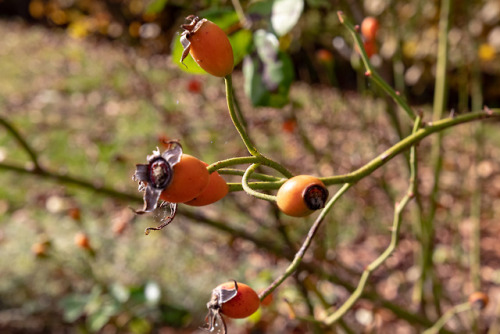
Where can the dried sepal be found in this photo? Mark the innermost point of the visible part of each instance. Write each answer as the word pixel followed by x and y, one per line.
pixel 219 297
pixel 165 221
pixel 156 175
pixel 188 29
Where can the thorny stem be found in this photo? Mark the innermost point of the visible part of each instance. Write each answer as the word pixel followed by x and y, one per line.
pixel 307 242
pixel 370 72
pixel 244 136
pixel 436 328
pixel 399 207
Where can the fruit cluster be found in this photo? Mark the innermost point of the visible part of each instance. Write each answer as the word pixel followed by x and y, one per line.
pixel 174 177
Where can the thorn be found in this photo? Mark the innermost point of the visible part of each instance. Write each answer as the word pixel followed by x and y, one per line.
pixel 398 93
pixel 368 73
pixel 452 113
pixel 488 110
pixel 356 27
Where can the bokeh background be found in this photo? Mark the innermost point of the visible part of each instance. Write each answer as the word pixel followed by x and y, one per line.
pixel 92 87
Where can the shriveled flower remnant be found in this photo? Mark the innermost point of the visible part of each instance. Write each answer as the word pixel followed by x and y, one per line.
pixel 154 177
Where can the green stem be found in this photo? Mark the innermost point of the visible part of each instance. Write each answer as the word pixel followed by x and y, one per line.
pixel 278 250
pixel 250 191
pixel 243 134
pixel 339 313
pixel 440 95
pixel 257 176
pixel 477 102
pixel 234 117
pixel 334 317
pixel 406 143
pixel 307 242
pixel 390 153
pixel 370 72
pixel 436 328
pixel 232 162
pixel 249 160
pixel 239 112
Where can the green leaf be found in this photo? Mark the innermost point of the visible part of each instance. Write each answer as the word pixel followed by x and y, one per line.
pixel 268 73
pixel 74 307
pixel 254 87
pixel 101 316
pixel 224 17
pixel 260 8
pixel 156 6
pixel 119 292
pixel 97 320
pixel 174 316
pixel 139 326
pixel 267 45
pixel 285 15
pixel 241 41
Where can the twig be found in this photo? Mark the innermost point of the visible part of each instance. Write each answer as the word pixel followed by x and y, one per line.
pixel 370 72
pixel 250 191
pixel 440 94
pixel 307 242
pixel 390 153
pixel 257 176
pixel 71 180
pixel 399 207
pixel 436 328
pixel 24 144
pixel 244 136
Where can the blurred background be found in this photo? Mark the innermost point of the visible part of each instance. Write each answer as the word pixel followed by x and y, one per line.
pixel 90 88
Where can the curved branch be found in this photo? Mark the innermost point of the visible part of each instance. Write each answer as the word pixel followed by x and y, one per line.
pixel 24 144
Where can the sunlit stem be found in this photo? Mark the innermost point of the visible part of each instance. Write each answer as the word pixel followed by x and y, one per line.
pixel 399 207
pixel 436 328
pixel 250 191
pixel 370 72
pixel 307 242
pixel 243 134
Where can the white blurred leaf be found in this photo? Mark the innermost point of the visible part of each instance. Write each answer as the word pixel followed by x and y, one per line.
pixel 285 15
